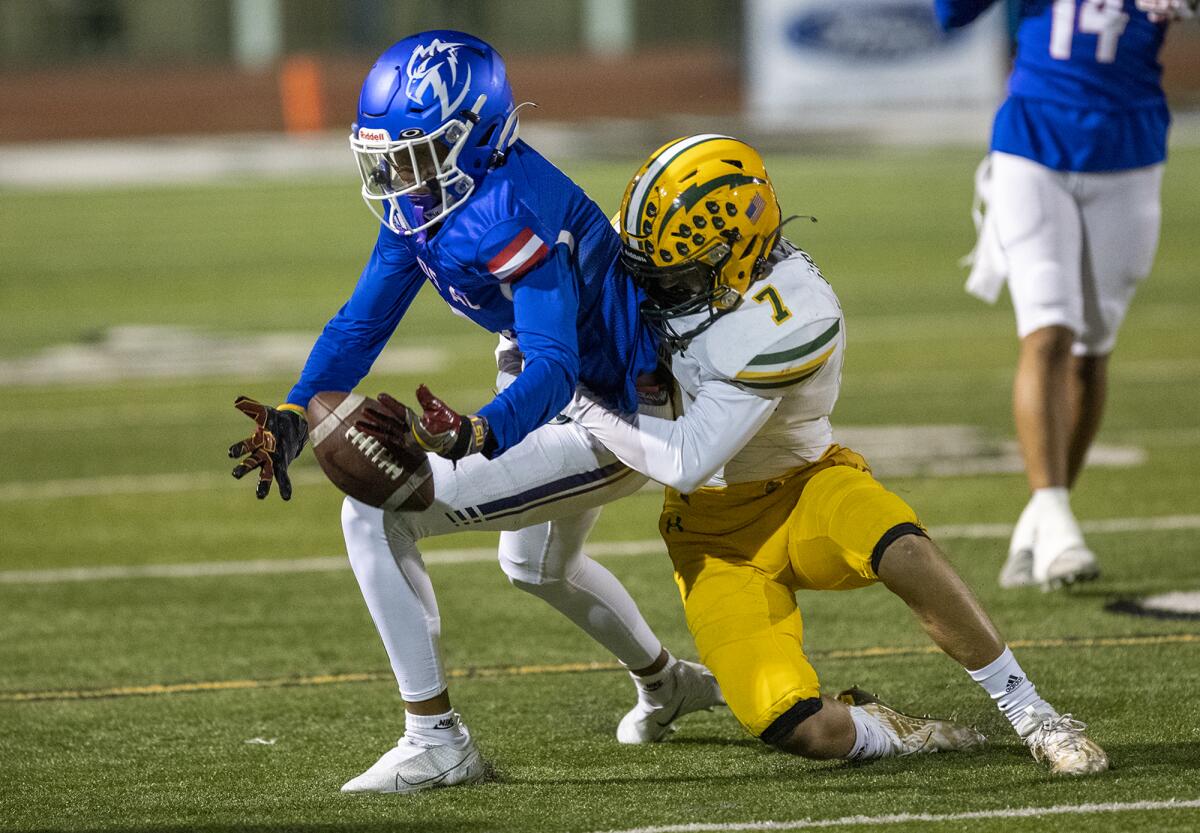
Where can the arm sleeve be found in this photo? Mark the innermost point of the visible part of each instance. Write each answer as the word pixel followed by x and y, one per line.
pixel 954 14
pixel 684 453
pixel 545 308
pixel 354 337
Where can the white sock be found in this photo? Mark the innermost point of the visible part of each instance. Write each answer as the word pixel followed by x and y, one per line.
pixel 1057 529
pixel 659 686
pixel 446 729
pixel 1012 690
pixel 871 738
pixel 1025 530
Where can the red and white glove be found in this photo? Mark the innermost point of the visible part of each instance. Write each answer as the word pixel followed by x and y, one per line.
pixel 446 432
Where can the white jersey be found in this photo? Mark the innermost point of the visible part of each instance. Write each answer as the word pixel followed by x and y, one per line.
pixel 758 387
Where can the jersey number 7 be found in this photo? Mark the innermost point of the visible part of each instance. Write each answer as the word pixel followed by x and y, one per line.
pixel 1105 18
pixel 780 312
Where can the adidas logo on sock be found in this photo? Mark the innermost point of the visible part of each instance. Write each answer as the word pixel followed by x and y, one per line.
pixel 1013 682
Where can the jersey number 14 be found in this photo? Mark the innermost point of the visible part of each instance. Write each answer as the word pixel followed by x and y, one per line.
pixel 1105 18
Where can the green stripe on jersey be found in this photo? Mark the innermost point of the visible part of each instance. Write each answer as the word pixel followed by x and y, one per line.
pixel 797 352
pixel 773 385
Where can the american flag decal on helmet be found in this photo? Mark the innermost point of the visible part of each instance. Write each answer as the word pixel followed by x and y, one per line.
pixel 524 252
pixel 755 209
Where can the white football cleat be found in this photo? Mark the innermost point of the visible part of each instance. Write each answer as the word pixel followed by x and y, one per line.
pixel 1018 569
pixel 1059 741
pixel 690 688
pixel 915 735
pixel 1073 565
pixel 412 765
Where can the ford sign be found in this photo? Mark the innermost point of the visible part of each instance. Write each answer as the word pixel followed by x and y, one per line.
pixel 869 31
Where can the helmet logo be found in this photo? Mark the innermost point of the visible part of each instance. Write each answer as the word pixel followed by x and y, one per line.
pixel 435 67
pixel 367 134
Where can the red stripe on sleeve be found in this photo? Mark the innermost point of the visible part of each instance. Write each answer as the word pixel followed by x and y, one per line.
pixel 509 251
pixel 530 262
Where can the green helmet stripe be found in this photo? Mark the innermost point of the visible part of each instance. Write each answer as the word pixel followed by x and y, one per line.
pixel 688 199
pixel 641 193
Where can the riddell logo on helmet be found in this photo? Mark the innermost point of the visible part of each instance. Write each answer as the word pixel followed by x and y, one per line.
pixel 367 134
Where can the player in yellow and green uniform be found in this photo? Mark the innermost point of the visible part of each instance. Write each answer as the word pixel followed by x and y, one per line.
pixel 761 500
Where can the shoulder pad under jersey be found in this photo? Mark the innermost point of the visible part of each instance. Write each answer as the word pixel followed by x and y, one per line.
pixel 787 327
pixel 496 233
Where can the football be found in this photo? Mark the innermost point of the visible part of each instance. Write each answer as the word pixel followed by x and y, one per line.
pixel 357 463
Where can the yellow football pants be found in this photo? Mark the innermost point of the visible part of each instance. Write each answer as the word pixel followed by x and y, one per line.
pixel 742 551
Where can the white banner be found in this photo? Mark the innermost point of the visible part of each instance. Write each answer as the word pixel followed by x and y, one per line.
pixel 808 58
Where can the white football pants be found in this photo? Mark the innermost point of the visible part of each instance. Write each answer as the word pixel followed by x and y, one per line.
pixel 549 487
pixel 1077 245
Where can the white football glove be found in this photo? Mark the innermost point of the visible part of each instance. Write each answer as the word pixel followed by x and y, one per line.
pixel 1163 11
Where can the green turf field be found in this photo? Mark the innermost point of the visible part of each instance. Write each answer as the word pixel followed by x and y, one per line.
pixel 130 703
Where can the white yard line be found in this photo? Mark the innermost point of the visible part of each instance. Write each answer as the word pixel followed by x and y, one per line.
pixel 895 451
pixel 132 484
pixel 140 353
pixel 1111 525
pixel 474 555
pixel 267 566
pixel 907 818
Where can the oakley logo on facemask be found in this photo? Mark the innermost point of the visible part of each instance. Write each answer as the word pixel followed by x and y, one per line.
pixel 435 67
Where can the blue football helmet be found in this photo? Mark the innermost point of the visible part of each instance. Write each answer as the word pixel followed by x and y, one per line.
pixel 434 116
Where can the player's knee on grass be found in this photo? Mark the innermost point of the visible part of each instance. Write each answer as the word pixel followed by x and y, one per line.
pixel 809 730
pixel 749 633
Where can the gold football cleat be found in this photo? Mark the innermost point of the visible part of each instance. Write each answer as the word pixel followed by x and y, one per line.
pixel 1059 741
pixel 915 735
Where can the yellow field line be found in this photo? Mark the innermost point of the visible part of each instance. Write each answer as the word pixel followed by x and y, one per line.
pixel 560 668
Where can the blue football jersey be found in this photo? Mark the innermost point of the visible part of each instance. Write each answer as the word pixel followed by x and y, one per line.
pixel 1085 92
pixel 528 255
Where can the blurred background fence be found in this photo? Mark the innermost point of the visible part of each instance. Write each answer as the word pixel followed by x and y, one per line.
pixel 92 69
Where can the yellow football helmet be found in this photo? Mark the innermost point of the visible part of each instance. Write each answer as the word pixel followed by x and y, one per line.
pixel 697 223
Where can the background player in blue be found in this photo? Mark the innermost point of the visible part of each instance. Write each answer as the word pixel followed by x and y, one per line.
pixel 511 243
pixel 1072 191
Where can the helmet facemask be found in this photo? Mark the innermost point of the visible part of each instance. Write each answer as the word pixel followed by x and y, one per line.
pixel 697 286
pixel 411 183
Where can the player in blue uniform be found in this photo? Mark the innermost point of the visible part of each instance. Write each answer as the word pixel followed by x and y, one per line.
pixel 511 243
pixel 1072 189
